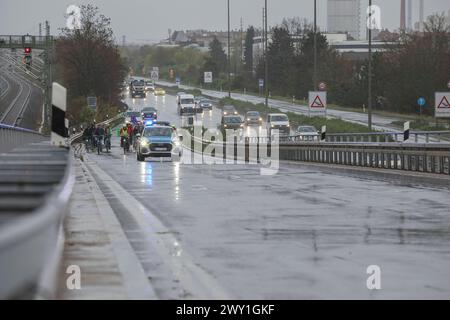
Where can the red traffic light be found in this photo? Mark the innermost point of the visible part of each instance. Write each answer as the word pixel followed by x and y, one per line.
pixel 27 50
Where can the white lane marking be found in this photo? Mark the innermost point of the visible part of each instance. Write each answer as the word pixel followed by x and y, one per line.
pixel 191 277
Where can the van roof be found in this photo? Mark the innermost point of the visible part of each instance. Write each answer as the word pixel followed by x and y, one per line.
pixel 277 114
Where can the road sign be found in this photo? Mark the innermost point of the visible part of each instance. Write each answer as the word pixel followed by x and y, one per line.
pixel 322 86
pixel 261 83
pixel 92 102
pixel 442 105
pixel 155 69
pixel 154 75
pixel 317 103
pixel 208 77
pixel 421 101
pixel 178 81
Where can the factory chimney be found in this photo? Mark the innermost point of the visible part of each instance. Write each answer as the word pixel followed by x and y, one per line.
pixel 403 15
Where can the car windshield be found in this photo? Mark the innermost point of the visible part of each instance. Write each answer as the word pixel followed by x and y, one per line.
pixel 228 108
pixel 306 129
pixel 148 110
pixel 253 114
pixel 205 101
pixel 232 120
pixel 158 132
pixel 187 101
pixel 279 118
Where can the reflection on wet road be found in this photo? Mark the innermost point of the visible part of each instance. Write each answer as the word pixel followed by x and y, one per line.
pixel 303 233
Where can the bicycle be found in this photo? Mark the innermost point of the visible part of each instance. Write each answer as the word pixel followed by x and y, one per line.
pixel 126 145
pixel 99 142
pixel 87 144
pixel 108 143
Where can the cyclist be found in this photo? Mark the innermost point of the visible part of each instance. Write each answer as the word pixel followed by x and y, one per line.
pixel 130 133
pixel 123 135
pixel 107 140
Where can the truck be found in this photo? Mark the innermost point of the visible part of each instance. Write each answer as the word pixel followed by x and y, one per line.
pixel 186 104
pixel 137 89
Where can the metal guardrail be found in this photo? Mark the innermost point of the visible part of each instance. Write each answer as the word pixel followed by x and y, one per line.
pixel 429 158
pixel 394 136
pixel 11 137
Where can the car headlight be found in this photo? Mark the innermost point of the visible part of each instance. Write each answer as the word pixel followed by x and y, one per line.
pixel 272 126
pixel 260 119
pixel 288 126
pixel 225 125
pixel 176 142
pixel 144 143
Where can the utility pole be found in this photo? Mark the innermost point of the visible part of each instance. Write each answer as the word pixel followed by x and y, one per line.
pixel 266 64
pixel 40 29
pixel 369 102
pixel 315 46
pixel 228 62
pixel 242 32
pixel 47 76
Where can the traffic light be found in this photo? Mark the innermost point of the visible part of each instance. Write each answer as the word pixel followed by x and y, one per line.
pixel 27 61
pixel 27 50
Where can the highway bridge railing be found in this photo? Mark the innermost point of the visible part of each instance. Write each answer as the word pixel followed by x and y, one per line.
pixel 36 182
pixel 11 137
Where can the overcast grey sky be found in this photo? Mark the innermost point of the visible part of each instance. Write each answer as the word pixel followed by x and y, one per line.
pixel 151 19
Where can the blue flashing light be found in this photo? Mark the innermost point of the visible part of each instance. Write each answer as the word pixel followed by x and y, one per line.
pixel 148 123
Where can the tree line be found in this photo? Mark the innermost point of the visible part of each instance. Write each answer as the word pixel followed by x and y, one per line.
pixel 417 65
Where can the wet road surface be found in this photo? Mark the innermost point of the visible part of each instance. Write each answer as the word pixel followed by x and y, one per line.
pixel 226 231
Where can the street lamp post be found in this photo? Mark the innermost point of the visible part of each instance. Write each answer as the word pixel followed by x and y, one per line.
pixel 266 64
pixel 228 62
pixel 315 46
pixel 369 102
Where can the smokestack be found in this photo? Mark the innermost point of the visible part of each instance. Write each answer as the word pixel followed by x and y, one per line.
pixel 402 15
pixel 421 15
pixel 409 15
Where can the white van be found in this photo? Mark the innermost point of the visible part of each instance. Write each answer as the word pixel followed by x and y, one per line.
pixel 186 104
pixel 278 121
pixel 178 96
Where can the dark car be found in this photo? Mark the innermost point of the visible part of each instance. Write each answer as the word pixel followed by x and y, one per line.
pixel 232 122
pixel 228 110
pixel 206 104
pixel 253 118
pixel 149 113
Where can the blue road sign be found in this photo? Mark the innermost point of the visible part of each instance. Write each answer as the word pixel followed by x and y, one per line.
pixel 178 80
pixel 421 101
pixel 261 82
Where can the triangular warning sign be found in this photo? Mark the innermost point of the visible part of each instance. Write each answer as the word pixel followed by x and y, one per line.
pixel 444 103
pixel 317 103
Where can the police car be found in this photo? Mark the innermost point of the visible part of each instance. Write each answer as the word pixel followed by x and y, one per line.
pixel 158 139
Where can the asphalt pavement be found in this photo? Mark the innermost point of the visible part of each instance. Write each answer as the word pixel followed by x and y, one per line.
pixel 225 231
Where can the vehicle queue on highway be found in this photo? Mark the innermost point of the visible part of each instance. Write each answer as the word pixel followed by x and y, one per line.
pixel 148 136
